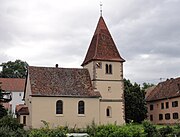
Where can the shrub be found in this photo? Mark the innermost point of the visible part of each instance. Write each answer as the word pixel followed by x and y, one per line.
pixel 176 131
pixel 8 132
pixel 165 131
pixel 149 129
pixel 128 131
pixel 105 131
pixel 9 121
pixel 91 129
pixel 45 132
pixel 3 111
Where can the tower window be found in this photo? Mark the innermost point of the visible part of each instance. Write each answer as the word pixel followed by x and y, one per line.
pixel 108 69
pixel 108 112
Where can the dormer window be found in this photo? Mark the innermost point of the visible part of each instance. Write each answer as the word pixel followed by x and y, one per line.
pixel 108 69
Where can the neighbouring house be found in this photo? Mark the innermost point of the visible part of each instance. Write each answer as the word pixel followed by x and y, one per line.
pixel 14 86
pixel 163 102
pixel 76 97
pixel 21 113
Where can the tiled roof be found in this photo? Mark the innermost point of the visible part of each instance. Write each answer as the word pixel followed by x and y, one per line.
pixel 48 81
pixel 148 91
pixel 164 90
pixel 21 109
pixel 12 84
pixel 102 46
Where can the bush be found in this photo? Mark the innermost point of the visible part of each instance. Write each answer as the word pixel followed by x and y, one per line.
pixel 130 130
pixel 105 131
pixel 149 129
pixel 46 132
pixel 3 111
pixel 9 127
pixel 165 131
pixel 9 121
pixel 8 132
pixel 176 131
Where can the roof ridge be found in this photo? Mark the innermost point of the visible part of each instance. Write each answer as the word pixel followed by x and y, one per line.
pixel 56 68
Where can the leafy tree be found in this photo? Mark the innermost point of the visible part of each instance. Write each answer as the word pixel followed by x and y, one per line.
pixel 3 111
pixel 135 105
pixel 17 69
pixel 146 85
pixel 10 127
pixel 9 121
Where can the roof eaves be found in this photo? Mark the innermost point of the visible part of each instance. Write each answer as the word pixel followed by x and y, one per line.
pixel 67 96
pixel 165 98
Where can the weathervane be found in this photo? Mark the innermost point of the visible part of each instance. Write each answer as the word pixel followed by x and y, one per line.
pixel 101 8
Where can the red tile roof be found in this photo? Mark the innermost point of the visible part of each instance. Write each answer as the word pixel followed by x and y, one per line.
pixel 12 84
pixel 102 46
pixel 164 90
pixel 21 109
pixel 47 81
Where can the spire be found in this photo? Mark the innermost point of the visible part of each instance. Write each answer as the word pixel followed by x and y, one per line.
pixel 101 9
pixel 102 46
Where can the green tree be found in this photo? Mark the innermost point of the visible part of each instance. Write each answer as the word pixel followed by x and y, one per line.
pixel 3 111
pixel 135 105
pixel 146 85
pixel 17 69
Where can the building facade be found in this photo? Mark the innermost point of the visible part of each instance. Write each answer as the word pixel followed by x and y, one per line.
pixel 77 97
pixel 15 86
pixel 163 102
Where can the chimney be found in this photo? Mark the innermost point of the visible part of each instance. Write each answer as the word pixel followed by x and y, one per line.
pixel 56 66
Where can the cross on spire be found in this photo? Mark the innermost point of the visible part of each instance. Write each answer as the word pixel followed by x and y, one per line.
pixel 101 8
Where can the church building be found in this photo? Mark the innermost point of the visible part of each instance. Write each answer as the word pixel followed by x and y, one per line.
pixel 76 97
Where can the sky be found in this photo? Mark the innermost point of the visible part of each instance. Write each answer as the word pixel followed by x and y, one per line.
pixel 49 32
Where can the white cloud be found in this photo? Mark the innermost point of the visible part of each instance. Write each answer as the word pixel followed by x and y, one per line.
pixel 45 33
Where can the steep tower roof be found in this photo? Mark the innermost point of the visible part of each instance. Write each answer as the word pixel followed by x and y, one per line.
pixel 102 46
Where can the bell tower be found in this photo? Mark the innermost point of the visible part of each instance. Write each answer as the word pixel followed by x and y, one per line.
pixel 105 66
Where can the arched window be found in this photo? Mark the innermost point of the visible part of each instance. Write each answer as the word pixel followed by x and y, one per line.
pixel 107 69
pixel 81 107
pixel 108 112
pixel 110 69
pixel 59 107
